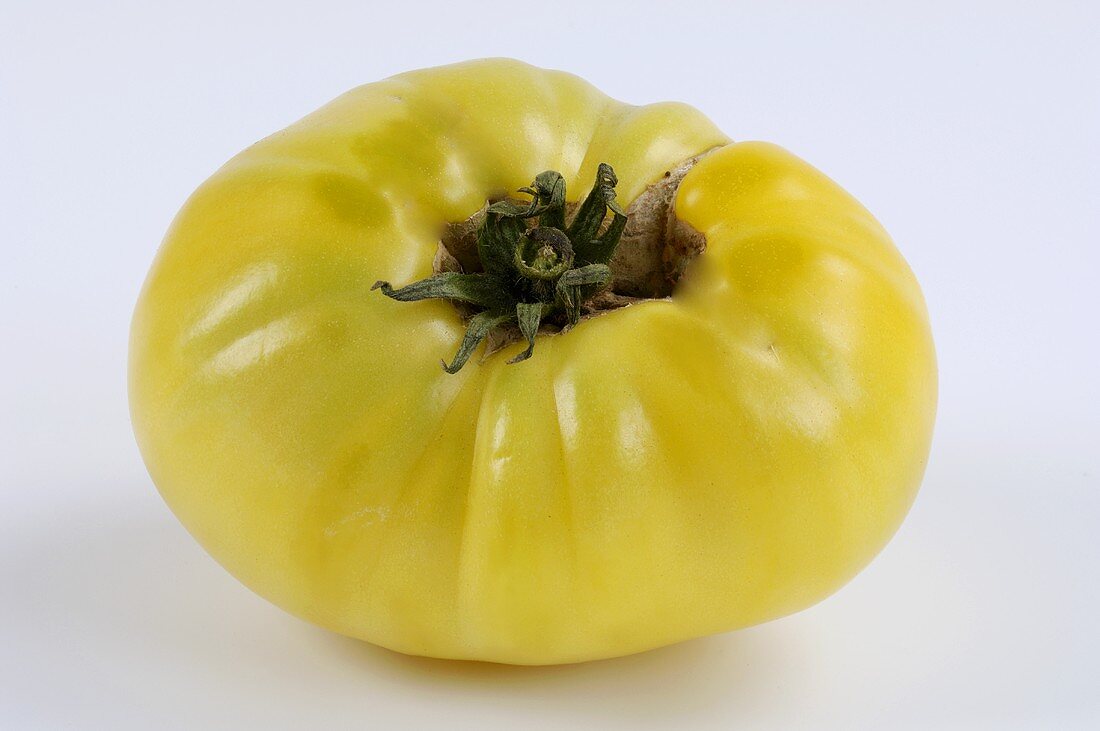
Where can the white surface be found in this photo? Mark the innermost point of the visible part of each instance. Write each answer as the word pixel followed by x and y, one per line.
pixel 971 133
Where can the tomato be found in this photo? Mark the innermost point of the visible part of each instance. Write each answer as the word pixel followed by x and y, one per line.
pixel 721 442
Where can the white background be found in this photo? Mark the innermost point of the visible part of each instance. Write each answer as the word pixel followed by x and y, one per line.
pixel 970 130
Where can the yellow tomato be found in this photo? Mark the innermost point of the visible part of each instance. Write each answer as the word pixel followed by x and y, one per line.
pixel 681 466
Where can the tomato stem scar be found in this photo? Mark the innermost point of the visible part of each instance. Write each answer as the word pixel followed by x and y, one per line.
pixel 530 274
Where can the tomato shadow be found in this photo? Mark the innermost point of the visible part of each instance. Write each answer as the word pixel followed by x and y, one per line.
pixel 123 586
pixel 665 686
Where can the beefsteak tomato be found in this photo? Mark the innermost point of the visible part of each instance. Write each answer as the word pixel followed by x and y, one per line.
pixel 720 423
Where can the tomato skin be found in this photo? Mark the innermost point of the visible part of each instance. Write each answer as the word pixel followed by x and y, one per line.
pixel 663 471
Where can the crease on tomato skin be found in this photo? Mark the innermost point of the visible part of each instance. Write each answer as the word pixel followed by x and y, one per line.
pixel 565 420
pixel 572 150
pixel 610 517
pixel 516 560
pixel 666 127
pixel 400 511
pixel 762 187
pixel 766 545
pixel 470 558
pixel 502 168
pixel 809 367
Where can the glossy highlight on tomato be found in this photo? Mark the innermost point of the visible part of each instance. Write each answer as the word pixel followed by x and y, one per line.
pixel 681 466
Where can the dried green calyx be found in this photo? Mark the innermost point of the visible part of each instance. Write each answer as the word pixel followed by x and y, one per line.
pixel 531 274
